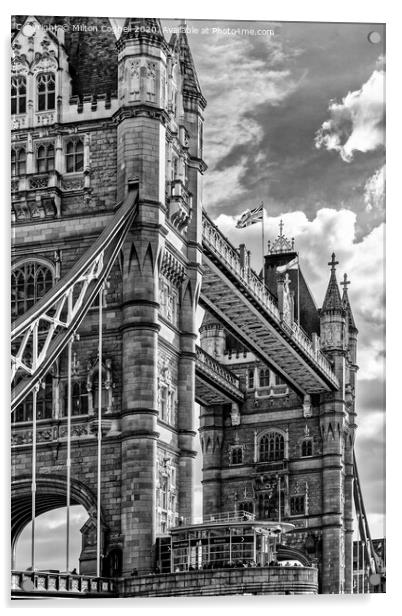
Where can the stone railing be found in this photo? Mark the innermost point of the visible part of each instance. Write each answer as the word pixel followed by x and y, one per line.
pixel 250 580
pixel 225 252
pixel 52 583
pixel 216 368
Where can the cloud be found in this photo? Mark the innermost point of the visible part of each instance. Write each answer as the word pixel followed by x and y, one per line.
pixel 242 81
pixel 357 123
pixel 374 191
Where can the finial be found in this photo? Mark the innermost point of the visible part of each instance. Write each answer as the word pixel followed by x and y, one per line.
pixel 345 283
pixel 281 228
pixel 333 262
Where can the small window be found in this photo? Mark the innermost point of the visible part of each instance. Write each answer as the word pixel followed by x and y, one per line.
pixel 264 377
pixel 79 399
pixel 18 94
pixel 250 379
pixel 18 162
pixel 297 505
pixel 247 506
pixel 74 156
pixel 307 448
pixel 46 88
pixel 45 158
pixel 237 455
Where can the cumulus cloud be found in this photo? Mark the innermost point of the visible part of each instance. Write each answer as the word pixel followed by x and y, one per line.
pixel 357 123
pixel 374 191
pixel 240 83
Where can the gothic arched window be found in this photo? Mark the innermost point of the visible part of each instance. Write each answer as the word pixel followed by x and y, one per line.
pixel 18 161
pixel 44 403
pixel 45 158
pixel 307 448
pixel 264 377
pixel 29 282
pixel 237 455
pixel 250 379
pixel 74 156
pixel 46 88
pixel 272 447
pixel 18 94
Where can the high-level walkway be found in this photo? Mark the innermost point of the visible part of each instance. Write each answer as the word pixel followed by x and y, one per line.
pixel 239 299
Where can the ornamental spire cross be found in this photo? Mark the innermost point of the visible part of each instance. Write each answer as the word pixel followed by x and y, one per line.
pixel 333 262
pixel 345 283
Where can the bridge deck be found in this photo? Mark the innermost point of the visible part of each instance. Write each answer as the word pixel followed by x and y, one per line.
pixel 238 298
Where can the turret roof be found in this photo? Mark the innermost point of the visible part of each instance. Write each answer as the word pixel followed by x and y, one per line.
pixel 332 300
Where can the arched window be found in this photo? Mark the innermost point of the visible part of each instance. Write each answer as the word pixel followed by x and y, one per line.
pixel 46 88
pixel 272 447
pixel 250 379
pixel 237 455
pixel 18 161
pixel 264 377
pixel 18 94
pixel 44 403
pixel 307 448
pixel 29 282
pixel 74 156
pixel 79 398
pixel 45 158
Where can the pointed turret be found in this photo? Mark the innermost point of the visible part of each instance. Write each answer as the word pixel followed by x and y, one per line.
pixel 346 303
pixel 190 79
pixel 332 301
pixel 332 314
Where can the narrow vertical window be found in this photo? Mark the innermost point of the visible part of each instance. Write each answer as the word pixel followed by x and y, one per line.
pixel 74 156
pixel 18 94
pixel 46 91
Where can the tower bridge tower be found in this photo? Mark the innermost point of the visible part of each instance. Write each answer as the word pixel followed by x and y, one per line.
pixel 284 455
pixel 92 114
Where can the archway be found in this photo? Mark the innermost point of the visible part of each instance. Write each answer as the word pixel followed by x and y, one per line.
pixel 51 493
pixel 50 544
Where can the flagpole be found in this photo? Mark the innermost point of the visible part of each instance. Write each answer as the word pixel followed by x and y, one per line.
pixel 263 244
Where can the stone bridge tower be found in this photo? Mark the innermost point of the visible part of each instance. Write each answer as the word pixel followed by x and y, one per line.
pixel 283 454
pixel 90 115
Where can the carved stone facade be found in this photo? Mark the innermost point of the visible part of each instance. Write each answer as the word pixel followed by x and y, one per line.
pixel 73 153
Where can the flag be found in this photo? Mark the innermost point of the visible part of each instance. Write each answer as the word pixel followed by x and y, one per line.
pixel 250 217
pixel 292 265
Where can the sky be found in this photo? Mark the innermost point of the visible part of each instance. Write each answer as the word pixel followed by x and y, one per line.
pixel 295 118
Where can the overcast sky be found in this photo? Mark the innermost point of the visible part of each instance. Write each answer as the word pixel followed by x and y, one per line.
pixel 296 119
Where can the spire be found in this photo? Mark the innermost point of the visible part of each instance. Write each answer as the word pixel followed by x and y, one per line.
pixel 190 79
pixel 332 300
pixel 282 243
pixel 346 302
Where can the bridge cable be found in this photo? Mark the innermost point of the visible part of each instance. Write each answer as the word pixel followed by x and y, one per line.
pixel 68 461
pixel 98 529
